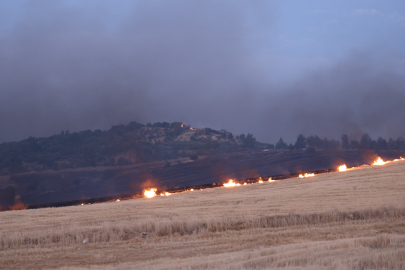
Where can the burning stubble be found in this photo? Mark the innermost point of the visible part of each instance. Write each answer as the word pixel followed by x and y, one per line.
pixel 278 222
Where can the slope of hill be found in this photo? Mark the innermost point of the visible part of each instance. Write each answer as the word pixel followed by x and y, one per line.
pixel 349 220
pixel 128 158
pixel 121 145
pixel 52 186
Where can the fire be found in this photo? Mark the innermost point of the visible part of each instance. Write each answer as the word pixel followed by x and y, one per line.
pixel 244 184
pixel 260 181
pixel 191 189
pixel 150 193
pixel 306 175
pixel 165 194
pixel 342 168
pixel 379 161
pixel 271 180
pixel 231 183
pixel 118 200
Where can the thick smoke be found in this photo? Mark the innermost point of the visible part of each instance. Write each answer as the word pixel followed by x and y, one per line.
pixel 361 94
pixel 83 67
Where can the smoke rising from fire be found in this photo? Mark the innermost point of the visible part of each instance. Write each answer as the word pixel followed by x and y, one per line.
pixel 67 67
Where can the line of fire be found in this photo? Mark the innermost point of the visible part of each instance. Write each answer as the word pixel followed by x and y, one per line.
pixel 155 192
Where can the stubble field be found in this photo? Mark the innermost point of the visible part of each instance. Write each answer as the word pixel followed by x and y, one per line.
pixel 348 220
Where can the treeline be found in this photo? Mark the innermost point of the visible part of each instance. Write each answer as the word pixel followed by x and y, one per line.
pixel 139 143
pixel 120 145
pixel 365 143
pixel 69 150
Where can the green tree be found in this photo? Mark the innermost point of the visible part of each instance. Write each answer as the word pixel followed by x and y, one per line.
pixel 248 141
pixel 381 144
pixel 301 142
pixel 281 144
pixel 345 142
pixel 366 141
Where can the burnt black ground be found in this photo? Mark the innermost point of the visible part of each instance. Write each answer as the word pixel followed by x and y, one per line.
pixel 37 188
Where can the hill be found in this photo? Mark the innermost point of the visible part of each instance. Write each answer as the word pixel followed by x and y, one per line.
pixel 341 220
pixel 134 143
pixel 129 158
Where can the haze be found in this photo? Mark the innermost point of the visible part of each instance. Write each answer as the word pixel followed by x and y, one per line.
pixel 271 68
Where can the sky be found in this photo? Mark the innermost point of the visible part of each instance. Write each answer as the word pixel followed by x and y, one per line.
pixel 270 68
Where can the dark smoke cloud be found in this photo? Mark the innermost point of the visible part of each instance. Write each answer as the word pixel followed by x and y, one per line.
pixel 69 68
pixel 361 94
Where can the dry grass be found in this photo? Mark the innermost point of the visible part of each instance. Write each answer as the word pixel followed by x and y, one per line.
pixel 351 220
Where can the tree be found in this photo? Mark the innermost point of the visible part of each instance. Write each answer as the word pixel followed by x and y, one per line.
pixel 75 138
pixel 354 144
pixel 281 144
pixel 315 141
pixel 345 142
pixel 366 141
pixel 381 144
pixel 248 141
pixel 400 144
pixel 301 142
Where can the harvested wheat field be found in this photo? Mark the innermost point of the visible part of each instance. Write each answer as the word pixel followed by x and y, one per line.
pixel 342 220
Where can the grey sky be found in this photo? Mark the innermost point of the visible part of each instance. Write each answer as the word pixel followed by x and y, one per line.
pixel 271 68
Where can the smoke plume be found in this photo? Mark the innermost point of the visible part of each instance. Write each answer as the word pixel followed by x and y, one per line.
pixel 76 67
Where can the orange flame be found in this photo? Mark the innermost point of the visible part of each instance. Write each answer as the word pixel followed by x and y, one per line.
pixel 118 200
pixel 271 180
pixel 150 193
pixel 231 183
pixel 379 161
pixel 306 175
pixel 342 168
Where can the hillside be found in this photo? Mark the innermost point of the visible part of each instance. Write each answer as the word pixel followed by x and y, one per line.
pixel 341 220
pixel 134 143
pixel 129 158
